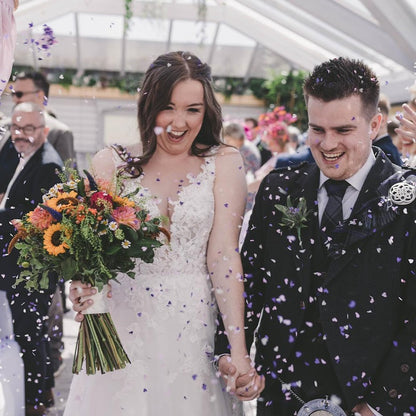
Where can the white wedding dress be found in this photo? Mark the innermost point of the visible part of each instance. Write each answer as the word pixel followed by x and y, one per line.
pixel 12 385
pixel 166 321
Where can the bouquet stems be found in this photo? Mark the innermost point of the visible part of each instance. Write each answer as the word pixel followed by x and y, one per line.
pixel 98 344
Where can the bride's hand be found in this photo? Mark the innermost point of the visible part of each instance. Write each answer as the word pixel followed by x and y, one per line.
pixel 245 383
pixel 79 295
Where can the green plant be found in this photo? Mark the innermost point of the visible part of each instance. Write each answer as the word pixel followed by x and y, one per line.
pixel 285 89
pixel 128 14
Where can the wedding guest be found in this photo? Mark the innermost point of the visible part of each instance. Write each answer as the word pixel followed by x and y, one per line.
pixel 276 135
pixel 383 139
pixel 407 134
pixel 234 135
pixel 166 317
pixel 34 87
pixel 36 171
pixel 253 125
pixel 330 274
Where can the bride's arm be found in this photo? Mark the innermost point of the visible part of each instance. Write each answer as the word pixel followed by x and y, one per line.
pixel 223 260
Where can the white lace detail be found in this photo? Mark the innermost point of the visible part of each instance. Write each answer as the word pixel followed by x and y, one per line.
pixel 166 318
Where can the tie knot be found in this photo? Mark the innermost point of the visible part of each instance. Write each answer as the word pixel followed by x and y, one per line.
pixel 336 188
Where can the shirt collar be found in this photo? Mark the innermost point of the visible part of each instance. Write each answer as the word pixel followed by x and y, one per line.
pixel 357 180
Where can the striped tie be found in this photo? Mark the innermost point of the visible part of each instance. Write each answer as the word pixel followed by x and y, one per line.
pixel 332 215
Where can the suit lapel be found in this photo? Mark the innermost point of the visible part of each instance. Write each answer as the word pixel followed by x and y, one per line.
pixel 306 186
pixel 25 173
pixel 371 212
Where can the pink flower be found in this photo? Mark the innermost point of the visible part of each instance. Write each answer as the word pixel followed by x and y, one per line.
pixel 127 216
pixel 40 218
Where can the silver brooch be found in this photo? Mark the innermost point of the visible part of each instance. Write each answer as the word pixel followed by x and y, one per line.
pixel 321 407
pixel 402 193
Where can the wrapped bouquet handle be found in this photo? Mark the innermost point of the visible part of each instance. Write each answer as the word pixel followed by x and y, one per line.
pixel 98 343
pixel 100 299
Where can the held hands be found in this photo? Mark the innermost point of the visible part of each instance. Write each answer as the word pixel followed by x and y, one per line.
pixel 241 377
pixel 79 294
pixel 363 410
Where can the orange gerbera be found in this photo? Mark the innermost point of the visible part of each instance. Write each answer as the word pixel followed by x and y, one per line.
pixel 53 241
pixel 126 216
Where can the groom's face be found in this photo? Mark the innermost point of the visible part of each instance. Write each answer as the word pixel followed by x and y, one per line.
pixel 340 135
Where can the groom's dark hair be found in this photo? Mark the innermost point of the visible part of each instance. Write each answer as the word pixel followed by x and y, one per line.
pixel 340 78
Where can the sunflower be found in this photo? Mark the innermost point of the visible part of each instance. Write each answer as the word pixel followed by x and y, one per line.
pixel 63 201
pixel 124 202
pixel 53 240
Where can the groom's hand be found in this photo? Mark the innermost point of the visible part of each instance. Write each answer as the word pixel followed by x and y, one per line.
pixel 246 386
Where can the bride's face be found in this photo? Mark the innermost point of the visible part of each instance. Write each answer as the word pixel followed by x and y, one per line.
pixel 180 122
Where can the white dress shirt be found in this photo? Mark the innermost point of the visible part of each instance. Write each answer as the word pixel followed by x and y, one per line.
pixel 19 168
pixel 355 182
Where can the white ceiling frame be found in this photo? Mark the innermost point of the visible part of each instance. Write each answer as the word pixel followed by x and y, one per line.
pixel 231 13
pixel 301 23
pixel 357 28
pixel 296 30
pixel 397 20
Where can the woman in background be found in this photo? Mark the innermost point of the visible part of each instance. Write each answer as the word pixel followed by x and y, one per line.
pixel 407 135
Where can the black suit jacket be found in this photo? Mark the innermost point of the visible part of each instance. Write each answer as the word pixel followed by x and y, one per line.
pixel 368 304
pixel 40 173
pixel 9 159
pixel 386 144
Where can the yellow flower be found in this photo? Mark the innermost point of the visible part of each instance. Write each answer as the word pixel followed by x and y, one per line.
pixel 62 201
pixel 124 202
pixel 53 241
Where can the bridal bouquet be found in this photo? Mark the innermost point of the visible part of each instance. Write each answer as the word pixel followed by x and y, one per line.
pixel 85 232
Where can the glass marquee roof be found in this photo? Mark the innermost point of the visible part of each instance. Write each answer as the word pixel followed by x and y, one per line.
pixel 246 38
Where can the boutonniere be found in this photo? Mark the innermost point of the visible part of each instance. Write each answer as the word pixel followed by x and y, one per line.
pixel 294 217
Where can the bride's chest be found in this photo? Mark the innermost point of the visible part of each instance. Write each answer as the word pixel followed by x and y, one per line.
pixel 185 195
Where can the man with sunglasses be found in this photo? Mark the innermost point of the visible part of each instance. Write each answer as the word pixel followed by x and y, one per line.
pixel 36 170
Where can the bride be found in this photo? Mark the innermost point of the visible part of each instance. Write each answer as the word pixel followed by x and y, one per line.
pixel 166 316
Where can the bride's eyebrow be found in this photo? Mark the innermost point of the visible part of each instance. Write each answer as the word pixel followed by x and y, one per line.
pixel 196 105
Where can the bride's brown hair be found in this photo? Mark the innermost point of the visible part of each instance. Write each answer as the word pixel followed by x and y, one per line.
pixel 159 81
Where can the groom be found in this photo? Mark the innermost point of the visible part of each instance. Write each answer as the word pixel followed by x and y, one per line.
pixel 331 287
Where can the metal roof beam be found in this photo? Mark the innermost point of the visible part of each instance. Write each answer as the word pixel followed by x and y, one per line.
pixel 398 21
pixel 356 27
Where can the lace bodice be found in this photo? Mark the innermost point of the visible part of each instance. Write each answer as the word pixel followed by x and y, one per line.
pixel 190 224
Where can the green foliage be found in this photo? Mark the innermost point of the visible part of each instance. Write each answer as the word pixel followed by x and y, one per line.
pixel 285 89
pixel 128 14
pixel 294 217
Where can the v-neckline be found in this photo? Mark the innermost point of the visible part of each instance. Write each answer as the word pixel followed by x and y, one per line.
pixel 174 202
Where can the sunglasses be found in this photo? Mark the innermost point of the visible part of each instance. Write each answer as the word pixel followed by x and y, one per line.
pixel 20 94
